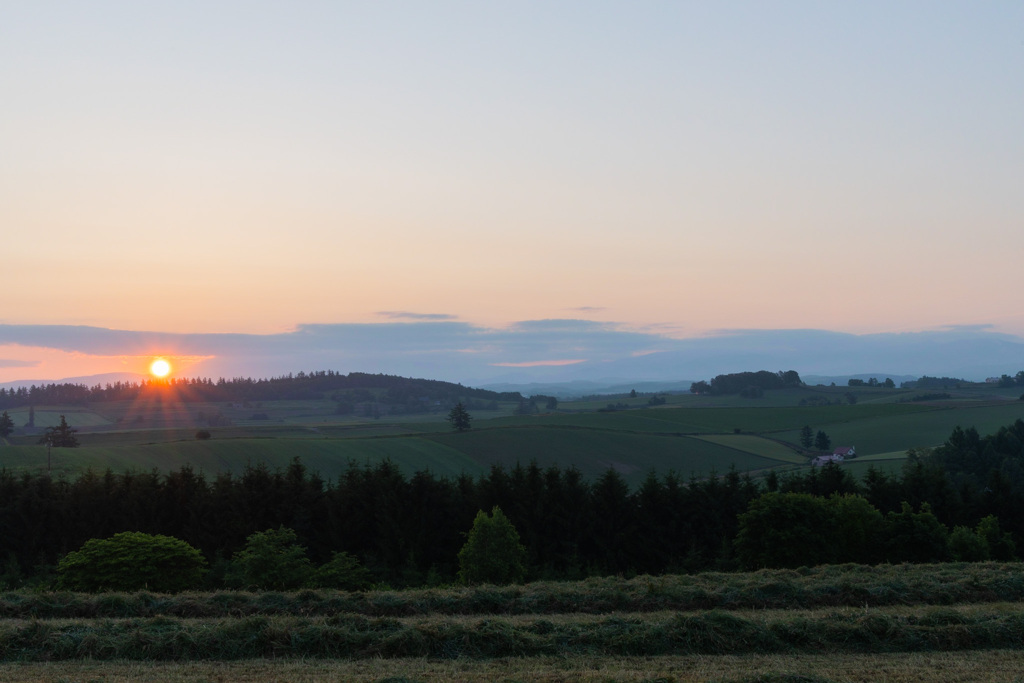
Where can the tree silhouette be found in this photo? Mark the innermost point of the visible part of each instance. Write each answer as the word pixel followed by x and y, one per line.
pixel 807 436
pixel 6 424
pixel 61 436
pixel 459 418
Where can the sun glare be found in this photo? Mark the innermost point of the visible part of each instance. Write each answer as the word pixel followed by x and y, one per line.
pixel 160 368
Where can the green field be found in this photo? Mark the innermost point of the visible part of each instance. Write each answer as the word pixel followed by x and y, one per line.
pixel 758 445
pixel 691 435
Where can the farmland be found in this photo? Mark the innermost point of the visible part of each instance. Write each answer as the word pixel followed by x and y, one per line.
pixel 689 434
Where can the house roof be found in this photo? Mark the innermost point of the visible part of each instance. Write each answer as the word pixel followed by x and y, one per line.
pixel 842 450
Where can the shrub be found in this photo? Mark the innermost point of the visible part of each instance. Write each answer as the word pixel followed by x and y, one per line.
pixel 492 553
pixel 967 546
pixel 203 434
pixel 271 560
pixel 344 572
pixel 784 530
pixel 915 536
pixel 132 561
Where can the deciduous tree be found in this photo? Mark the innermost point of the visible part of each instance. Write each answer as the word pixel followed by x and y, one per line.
pixel 492 553
pixel 132 561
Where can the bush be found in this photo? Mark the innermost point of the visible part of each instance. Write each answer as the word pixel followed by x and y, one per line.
pixel 203 434
pixel 967 546
pixel 271 560
pixel 132 561
pixel 343 572
pixel 784 530
pixel 916 536
pixel 492 553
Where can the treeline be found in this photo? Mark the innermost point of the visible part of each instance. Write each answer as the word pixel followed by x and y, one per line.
pixel 749 384
pixel 301 386
pixel 408 530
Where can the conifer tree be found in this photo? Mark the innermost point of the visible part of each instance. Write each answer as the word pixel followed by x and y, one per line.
pixel 459 417
pixel 6 425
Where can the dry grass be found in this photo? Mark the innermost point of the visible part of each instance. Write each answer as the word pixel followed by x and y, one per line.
pixel 1003 666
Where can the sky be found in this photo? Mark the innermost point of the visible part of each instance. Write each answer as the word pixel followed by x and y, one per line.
pixel 659 173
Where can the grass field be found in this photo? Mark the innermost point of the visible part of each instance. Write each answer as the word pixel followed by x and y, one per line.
pixel 766 448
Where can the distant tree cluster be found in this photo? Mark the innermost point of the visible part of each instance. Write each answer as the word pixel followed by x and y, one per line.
pixel 301 386
pixel 747 383
pixel 872 382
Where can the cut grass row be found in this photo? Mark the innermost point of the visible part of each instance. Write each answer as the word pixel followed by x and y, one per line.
pixel 817 588
pixel 348 636
pixel 994 666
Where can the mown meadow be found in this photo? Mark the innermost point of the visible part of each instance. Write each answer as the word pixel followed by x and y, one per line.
pixel 835 623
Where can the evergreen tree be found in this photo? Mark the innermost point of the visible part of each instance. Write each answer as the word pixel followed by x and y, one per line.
pixel 807 436
pixel 822 442
pixel 6 425
pixel 61 436
pixel 459 418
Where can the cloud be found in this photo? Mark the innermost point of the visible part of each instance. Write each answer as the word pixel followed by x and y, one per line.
pixel 11 363
pixel 587 309
pixel 544 350
pixel 407 315
pixel 539 363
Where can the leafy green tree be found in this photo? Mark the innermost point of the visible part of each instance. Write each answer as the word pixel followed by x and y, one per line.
pixel 784 530
pixel 459 418
pixel 61 436
pixel 915 536
pixel 131 561
pixel 807 436
pixel 343 572
pixel 967 546
pixel 889 384
pixel 271 560
pixel 6 425
pixel 822 442
pixel 492 552
pixel 858 529
pixel 1000 544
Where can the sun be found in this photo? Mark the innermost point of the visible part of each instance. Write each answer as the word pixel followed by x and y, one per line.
pixel 160 368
